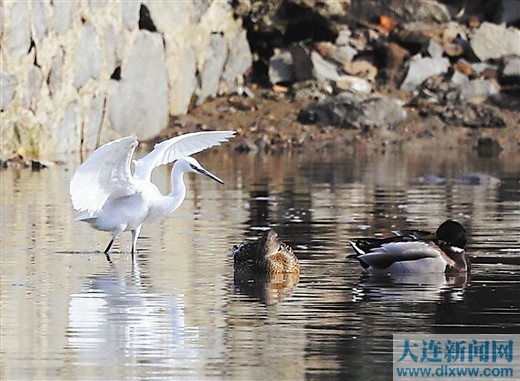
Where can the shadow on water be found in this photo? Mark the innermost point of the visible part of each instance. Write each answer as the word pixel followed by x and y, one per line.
pixel 179 312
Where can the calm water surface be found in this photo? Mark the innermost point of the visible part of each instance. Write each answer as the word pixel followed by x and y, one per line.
pixel 177 313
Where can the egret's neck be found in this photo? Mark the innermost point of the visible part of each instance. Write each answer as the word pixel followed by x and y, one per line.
pixel 178 192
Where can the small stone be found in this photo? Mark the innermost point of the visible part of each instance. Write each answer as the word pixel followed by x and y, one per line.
pixel 323 70
pixel 343 54
pixel 343 37
pixel 511 66
pixel 281 68
pixel 353 84
pixel 477 90
pixel 435 49
pixel 459 78
pixel 422 68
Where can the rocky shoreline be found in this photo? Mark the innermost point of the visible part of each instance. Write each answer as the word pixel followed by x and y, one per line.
pixel 396 74
pixel 339 75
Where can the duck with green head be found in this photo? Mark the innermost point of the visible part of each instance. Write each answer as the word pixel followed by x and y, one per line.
pixel 415 251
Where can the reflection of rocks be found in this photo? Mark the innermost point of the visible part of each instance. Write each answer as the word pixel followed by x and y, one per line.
pixel 477 178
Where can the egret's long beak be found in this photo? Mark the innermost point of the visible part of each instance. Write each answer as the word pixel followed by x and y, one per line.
pixel 209 174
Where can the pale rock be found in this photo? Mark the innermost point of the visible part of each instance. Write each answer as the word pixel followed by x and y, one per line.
pixel 64 12
pixel 113 47
pixel 477 90
pixel 40 19
pixel 353 84
pixel 480 67
pixel 55 78
pixel 323 69
pixel 138 103
pixel 33 88
pixel 88 56
pixel 97 4
pixel 7 89
pixel 213 67
pixel 17 29
pixel 422 68
pixel 174 15
pixel 459 78
pixel 239 60
pixel 70 140
pixel 511 66
pixel 343 37
pixel 435 50
pixel 185 82
pixel 281 67
pixel 343 54
pixel 130 13
pixel 493 41
pixel 199 8
pixel 96 109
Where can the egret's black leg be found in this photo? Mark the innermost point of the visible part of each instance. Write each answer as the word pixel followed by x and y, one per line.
pixel 109 246
pixel 108 258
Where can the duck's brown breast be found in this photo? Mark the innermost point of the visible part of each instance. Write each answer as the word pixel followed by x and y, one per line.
pixel 282 262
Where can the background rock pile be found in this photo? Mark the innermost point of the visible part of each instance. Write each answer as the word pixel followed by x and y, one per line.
pixel 76 74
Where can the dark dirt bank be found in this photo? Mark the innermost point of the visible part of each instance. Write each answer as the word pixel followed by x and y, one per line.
pixel 269 122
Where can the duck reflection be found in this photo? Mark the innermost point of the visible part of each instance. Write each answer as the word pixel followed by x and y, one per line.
pixel 266 268
pixel 118 319
pixel 399 287
pixel 268 288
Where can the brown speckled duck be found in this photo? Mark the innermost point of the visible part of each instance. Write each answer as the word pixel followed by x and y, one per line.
pixel 267 255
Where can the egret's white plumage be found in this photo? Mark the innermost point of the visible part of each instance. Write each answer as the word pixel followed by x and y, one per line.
pixel 116 200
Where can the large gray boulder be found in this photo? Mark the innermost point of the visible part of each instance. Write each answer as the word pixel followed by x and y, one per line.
pixel 347 110
pixel 140 98
pixel 492 41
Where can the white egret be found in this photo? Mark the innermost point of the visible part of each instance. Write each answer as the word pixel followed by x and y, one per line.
pixel 115 200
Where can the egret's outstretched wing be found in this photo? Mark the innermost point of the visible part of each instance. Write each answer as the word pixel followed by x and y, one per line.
pixel 177 147
pixel 106 173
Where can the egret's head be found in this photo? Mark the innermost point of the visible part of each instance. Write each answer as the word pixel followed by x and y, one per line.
pixel 189 164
